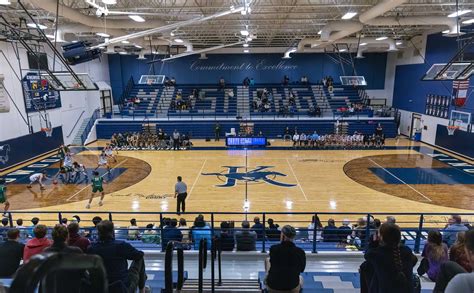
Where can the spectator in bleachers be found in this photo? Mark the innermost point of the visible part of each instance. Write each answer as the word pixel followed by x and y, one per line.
pixel 303 140
pixel 434 254
pixel 173 81
pixel 315 224
pixel 462 282
pixel 389 265
pixel 64 222
pixel 454 226
pixel 217 131
pixel 4 229
pixel 151 235
pixel 296 139
pixel 285 264
pixel 226 238
pixel 75 239
pixel 93 234
pixel 252 81
pixel 11 253
pixel 345 230
pixel 172 233
pixel 37 244
pixel 176 137
pixel 330 232
pixel 304 80
pixel 167 81
pixel 390 220
pixel 360 232
pixel 221 83
pixel 184 229
pixel 114 254
pixel 258 227
pixel 133 230
pixel 286 134
pixel 245 238
pixel 246 82
pixel 34 222
pixel 200 231
pixel 60 236
pixel 273 230
pixel 286 80
pixel 457 252
pixel 23 229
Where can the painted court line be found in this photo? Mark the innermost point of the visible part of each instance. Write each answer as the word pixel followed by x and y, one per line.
pixel 394 176
pixel 72 196
pixel 297 181
pixel 197 178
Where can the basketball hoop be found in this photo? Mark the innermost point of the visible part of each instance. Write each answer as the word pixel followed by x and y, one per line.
pixel 452 129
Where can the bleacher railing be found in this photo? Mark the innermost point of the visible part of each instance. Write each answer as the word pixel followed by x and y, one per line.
pixel 94 117
pixel 313 238
pixel 126 92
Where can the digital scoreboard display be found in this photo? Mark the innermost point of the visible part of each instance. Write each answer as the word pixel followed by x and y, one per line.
pixel 246 141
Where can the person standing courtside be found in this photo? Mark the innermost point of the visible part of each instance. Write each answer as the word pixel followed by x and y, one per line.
pixel 175 138
pixel 217 130
pixel 181 192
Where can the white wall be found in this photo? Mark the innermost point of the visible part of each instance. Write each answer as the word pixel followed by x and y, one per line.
pixel 73 103
pixel 428 135
pixel 387 92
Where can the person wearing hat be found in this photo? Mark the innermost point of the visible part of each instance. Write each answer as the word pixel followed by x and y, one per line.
pixel 285 264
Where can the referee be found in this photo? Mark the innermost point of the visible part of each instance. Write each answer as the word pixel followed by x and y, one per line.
pixel 180 191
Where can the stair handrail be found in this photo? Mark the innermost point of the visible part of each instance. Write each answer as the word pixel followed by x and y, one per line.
pixel 126 91
pixel 170 247
pixel 75 124
pixel 202 262
pixel 94 117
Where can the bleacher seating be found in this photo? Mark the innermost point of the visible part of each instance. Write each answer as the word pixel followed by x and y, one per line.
pixel 270 128
pixel 149 98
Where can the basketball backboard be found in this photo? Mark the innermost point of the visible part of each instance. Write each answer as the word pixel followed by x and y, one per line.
pixel 353 80
pixel 453 71
pixel 460 119
pixel 65 81
pixel 151 79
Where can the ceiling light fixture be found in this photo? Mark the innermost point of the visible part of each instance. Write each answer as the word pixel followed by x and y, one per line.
pixel 138 46
pixel 398 43
pixel 381 38
pixel 248 39
pixel 293 50
pixel 349 15
pixel 39 25
pixel 245 45
pixel 125 42
pixel 104 35
pixel 5 2
pixel 172 34
pixel 446 31
pixel 363 44
pixel 178 40
pixel 244 32
pixel 342 50
pixel 320 32
pixel 50 36
pixel 246 51
pixel 136 18
pixel 109 2
pixel 459 13
pixel 469 21
pixel 123 53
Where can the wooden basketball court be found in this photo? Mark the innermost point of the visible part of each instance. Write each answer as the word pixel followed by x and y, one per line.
pixel 275 180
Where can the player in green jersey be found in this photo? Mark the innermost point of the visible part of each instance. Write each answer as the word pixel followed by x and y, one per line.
pixel 3 196
pixel 97 186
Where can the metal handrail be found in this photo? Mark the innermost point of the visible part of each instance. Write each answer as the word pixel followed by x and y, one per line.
pixel 89 125
pixel 202 263
pixel 75 124
pixel 169 267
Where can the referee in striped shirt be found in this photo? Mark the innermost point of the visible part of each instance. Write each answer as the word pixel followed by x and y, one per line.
pixel 181 192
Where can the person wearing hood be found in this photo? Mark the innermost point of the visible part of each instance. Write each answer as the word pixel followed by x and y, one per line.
pixel 37 244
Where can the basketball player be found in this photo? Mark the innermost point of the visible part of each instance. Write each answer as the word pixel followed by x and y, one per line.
pixel 68 166
pixel 38 177
pixel 103 161
pixel 109 152
pixel 3 196
pixel 62 151
pixel 97 186
pixel 78 170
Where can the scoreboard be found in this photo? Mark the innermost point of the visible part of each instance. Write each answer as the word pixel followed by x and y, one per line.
pixel 246 141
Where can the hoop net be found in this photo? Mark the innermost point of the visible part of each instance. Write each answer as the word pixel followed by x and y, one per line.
pixel 47 131
pixel 452 129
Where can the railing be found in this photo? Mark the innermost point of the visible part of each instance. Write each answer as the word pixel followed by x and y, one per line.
pixel 89 125
pixel 414 224
pixel 126 92
pixel 202 263
pixel 75 124
pixel 169 267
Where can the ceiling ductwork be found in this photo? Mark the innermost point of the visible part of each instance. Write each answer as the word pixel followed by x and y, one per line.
pixel 390 43
pixel 422 20
pixel 346 28
pixel 92 21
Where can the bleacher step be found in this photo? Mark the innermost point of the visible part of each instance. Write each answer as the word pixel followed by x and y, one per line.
pixel 191 285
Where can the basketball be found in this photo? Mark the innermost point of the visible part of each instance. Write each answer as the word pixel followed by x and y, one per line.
pixel 55 182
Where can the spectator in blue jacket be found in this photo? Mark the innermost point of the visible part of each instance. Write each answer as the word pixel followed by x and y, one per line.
pixel 201 231
pixel 172 233
pixel 330 232
pixel 115 254
pixel 454 227
pixel 258 227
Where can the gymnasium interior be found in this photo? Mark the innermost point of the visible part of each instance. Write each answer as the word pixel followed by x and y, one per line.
pixel 236 146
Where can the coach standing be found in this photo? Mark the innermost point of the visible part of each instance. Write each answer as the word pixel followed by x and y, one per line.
pixel 180 191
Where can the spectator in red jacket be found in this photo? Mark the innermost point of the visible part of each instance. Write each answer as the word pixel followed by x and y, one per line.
pixel 75 239
pixel 37 244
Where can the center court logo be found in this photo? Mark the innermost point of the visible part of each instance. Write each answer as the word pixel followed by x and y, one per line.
pixel 258 175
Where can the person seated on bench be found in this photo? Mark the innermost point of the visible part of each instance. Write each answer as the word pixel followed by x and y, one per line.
pixel 285 264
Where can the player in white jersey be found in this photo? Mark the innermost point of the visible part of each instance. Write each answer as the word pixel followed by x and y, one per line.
pixel 103 161
pixel 109 152
pixel 38 177
pixel 80 169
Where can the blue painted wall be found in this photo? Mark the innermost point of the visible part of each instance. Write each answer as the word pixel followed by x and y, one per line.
pixel 410 91
pixel 264 68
